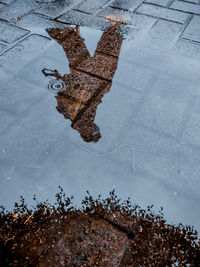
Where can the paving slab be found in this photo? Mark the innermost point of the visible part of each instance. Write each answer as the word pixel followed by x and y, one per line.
pixel 164 33
pixel 56 8
pixel 164 3
pixel 90 6
pixel 126 4
pixel 17 9
pixel 10 33
pixel 163 13
pixel 186 7
pixel 192 31
pixel 188 48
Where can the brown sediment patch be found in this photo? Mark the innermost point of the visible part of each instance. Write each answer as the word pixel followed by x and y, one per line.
pixel 89 79
pixel 102 233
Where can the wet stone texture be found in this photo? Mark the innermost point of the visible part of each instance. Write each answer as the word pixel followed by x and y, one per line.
pixel 192 32
pixel 163 13
pixel 10 33
pixel 126 4
pixel 55 8
pixel 90 6
pixel 17 9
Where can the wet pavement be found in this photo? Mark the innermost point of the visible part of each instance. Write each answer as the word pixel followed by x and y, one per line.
pixel 139 93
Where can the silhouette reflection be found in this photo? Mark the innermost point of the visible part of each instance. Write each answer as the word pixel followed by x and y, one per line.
pixel 89 79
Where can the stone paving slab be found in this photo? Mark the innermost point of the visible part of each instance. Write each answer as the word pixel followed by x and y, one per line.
pixel 163 13
pixel 126 4
pixel 186 7
pixel 188 48
pixel 163 3
pixel 17 9
pixel 10 33
pixel 165 33
pixel 90 6
pixel 55 9
pixel 192 31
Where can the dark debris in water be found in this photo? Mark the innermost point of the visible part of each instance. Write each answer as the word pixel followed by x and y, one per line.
pixel 104 232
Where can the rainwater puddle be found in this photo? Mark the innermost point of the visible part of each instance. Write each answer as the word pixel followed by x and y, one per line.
pixel 113 114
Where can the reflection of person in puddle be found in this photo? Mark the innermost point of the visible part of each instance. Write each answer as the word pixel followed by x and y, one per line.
pixel 89 79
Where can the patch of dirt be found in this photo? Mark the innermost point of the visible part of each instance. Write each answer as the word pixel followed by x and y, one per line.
pixel 101 233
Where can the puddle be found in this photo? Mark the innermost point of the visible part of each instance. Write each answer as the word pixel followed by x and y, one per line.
pixel 143 102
